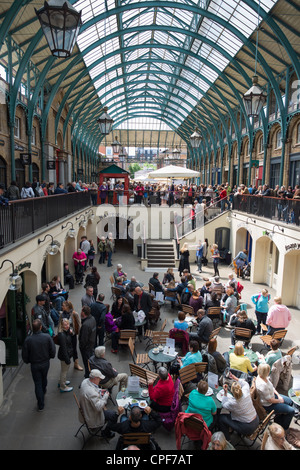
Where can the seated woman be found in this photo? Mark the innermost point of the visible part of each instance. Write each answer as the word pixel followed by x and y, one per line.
pixel 161 394
pixel 273 355
pixel 241 320
pixel 212 301
pixel 242 416
pixel 117 307
pixel 272 400
pixel 201 404
pixel 274 439
pixel 218 357
pixel 238 361
pixel 196 301
pixel 127 321
pixel 219 442
pixel 194 355
pixel 181 323
pixel 169 276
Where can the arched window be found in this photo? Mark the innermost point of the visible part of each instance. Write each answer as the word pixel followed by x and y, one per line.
pixel 298 134
pixel 3 172
pixel 278 142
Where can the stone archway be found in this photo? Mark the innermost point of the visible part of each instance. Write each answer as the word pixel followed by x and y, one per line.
pixel 290 290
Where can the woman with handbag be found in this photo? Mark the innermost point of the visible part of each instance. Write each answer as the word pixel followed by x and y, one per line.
pixel 69 313
pixel 65 354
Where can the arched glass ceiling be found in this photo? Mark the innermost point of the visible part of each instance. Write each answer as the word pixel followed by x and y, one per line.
pixel 182 72
pixel 142 123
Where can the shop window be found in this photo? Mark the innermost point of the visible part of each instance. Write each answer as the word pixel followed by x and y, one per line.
pixel 278 140
pixel 17 131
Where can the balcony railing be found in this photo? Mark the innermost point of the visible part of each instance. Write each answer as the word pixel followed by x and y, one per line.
pixel 25 216
pixel 284 210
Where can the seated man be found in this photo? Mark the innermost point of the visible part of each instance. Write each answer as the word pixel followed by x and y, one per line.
pixel 93 401
pixel 110 376
pixel 133 284
pixel 216 284
pixel 136 423
pixel 205 328
pixel 68 277
pixel 180 287
pixel 120 285
pixel 158 287
pixel 187 294
pixel 162 393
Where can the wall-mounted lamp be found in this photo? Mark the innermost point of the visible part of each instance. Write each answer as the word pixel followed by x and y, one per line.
pixel 83 222
pixel 252 220
pixel 71 232
pixel 279 228
pixel 90 214
pixel 14 278
pixel 51 249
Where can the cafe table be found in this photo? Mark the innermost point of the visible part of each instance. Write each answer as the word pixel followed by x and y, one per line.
pixel 248 353
pixel 125 397
pixel 161 358
pixel 139 326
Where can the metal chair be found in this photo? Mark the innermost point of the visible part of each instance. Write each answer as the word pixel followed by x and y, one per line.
pixel 91 432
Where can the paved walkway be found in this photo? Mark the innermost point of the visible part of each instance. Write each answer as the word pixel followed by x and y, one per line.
pixel 23 428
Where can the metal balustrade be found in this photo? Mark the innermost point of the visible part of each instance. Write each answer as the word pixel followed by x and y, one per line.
pixel 25 216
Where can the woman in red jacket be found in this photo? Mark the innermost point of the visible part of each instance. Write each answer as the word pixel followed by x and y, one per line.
pixel 161 394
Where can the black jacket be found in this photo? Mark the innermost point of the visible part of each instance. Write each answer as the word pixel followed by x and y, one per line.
pixel 105 368
pixel 87 333
pixel 98 310
pixel 156 284
pixel 146 302
pixel 38 348
pixel 65 352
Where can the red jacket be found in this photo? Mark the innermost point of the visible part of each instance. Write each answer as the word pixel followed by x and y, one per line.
pixel 163 392
pixel 223 194
pixel 182 430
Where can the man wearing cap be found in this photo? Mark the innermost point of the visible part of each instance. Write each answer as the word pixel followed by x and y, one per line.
pixel 93 400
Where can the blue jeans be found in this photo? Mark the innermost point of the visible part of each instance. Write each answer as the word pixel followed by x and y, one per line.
pixel 245 429
pixel 39 373
pixel 58 302
pixel 261 318
pixel 284 412
pixel 223 202
pixel 109 259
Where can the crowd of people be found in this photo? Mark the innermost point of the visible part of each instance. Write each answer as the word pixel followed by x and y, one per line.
pixel 55 321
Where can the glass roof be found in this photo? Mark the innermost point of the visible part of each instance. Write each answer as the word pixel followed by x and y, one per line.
pixel 150 63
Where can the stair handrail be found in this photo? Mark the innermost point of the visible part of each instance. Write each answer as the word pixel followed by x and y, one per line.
pixel 188 217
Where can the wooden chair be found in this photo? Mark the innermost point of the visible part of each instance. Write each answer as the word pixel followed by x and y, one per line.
pixel 151 288
pixel 187 309
pixel 141 359
pixel 115 292
pixel 159 337
pixel 193 423
pixel 242 334
pixel 125 335
pixel 201 368
pixel 91 432
pixel 136 438
pixel 112 280
pixel 291 351
pixel 219 291
pixel 149 334
pixel 215 333
pixel 214 313
pixel 266 339
pixel 187 374
pixel 143 374
pixel 179 336
pixel 257 434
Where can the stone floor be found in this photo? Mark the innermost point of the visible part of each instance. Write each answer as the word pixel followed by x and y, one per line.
pixel 22 428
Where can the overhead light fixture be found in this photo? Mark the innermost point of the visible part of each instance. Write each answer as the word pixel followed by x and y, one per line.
pixel 15 280
pixel 196 139
pixel 71 232
pixel 255 98
pixel 51 249
pixel 60 22
pixel 176 153
pixel 116 146
pixel 90 214
pixel 105 122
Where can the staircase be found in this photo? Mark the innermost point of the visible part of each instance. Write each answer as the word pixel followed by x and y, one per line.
pixel 160 254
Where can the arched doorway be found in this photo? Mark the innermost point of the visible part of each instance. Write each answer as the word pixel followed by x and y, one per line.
pixel 291 280
pixel 266 262
pixel 243 242
pixel 20 174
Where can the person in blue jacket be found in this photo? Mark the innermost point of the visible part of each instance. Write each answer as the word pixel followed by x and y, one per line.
pixel 261 302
